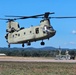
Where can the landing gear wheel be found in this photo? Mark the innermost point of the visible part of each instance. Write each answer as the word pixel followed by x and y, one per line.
pixel 28 43
pixel 8 45
pixel 42 43
pixel 23 45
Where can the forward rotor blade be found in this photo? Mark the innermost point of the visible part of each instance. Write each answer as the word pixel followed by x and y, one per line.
pixel 63 17
pixel 34 16
pixel 30 16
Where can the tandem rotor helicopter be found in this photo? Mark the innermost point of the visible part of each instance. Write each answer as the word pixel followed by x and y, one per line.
pixel 17 35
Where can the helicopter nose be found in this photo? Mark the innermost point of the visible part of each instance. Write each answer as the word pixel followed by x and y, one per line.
pixel 53 32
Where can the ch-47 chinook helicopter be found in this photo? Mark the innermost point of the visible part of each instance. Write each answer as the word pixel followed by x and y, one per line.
pixel 17 35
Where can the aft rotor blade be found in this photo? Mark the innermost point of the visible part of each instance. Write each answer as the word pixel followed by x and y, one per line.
pixel 9 19
pixel 3 19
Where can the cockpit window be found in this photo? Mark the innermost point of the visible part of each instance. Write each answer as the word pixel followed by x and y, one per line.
pixel 41 21
pixel 51 28
pixel 18 26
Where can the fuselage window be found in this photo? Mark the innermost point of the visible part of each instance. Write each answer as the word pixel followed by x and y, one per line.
pixel 37 30
pixel 18 34
pixel 24 33
pixel 30 31
pixel 13 36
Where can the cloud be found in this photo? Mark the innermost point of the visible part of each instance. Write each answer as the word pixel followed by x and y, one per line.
pixel 73 43
pixel 70 43
pixel 74 32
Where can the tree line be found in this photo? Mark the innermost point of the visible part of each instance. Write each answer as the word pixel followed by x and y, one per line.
pixel 34 52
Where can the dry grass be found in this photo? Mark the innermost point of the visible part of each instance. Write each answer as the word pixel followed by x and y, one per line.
pixel 37 68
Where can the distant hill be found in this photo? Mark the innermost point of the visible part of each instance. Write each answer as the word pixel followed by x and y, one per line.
pixel 31 48
pixel 47 48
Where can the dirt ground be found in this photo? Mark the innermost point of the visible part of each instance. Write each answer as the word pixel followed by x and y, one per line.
pixel 33 59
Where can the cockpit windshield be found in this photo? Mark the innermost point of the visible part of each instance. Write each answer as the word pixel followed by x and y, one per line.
pixel 48 27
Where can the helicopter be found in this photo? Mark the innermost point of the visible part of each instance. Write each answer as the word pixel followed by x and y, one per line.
pixel 17 35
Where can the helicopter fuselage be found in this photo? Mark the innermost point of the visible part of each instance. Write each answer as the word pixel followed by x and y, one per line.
pixel 32 34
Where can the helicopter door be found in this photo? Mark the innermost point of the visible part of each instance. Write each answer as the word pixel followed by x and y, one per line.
pixel 37 30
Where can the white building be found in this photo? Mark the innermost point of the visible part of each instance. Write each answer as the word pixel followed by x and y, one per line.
pixel 2 54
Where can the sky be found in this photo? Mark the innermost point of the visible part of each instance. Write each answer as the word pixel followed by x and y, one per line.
pixel 65 28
